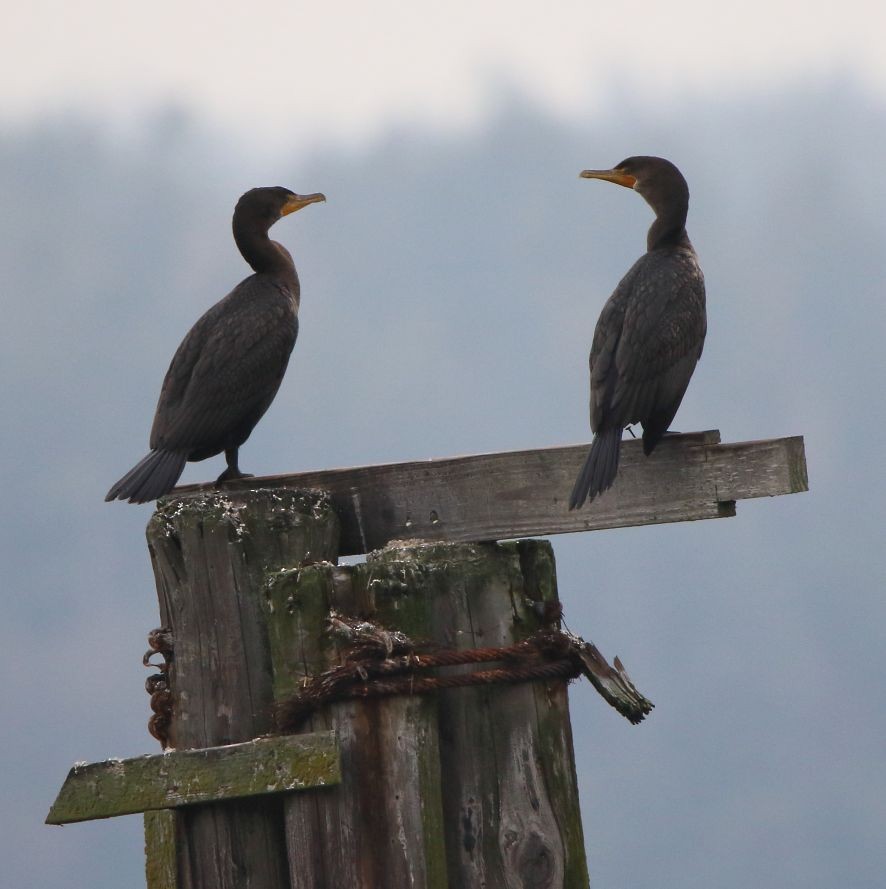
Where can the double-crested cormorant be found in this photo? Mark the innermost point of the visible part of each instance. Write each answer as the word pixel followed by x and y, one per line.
pixel 651 331
pixel 228 368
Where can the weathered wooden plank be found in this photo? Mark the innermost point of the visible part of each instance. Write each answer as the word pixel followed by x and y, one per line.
pixel 179 778
pixel 525 493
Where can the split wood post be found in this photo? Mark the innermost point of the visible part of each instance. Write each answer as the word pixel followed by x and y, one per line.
pixel 471 788
pixel 211 554
pixel 511 800
pixel 383 825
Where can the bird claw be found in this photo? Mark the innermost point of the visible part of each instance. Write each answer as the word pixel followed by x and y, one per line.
pixel 230 475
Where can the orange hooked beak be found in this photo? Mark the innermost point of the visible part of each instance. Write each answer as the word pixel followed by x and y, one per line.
pixel 297 201
pixel 619 177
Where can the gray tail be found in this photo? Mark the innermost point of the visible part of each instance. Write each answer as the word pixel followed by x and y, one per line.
pixel 150 478
pixel 600 467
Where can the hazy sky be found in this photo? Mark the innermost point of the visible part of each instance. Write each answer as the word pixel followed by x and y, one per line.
pixel 305 70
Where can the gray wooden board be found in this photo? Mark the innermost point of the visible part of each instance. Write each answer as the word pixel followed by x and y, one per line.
pixel 164 780
pixel 525 493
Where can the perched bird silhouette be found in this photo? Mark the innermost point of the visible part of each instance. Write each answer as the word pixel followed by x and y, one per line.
pixel 651 331
pixel 228 368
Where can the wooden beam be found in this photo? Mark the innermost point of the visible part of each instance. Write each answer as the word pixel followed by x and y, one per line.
pixel 180 778
pixel 525 493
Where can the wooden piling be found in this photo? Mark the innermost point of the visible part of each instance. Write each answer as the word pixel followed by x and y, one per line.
pixel 211 555
pixel 382 826
pixel 469 788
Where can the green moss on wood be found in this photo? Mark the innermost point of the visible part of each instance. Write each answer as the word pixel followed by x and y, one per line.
pixel 298 601
pixel 160 866
pixel 474 776
pixel 265 765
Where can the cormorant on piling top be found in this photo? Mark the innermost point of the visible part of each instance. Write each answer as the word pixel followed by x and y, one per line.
pixel 228 368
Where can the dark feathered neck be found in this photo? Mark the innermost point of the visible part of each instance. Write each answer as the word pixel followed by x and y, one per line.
pixel 669 228
pixel 263 254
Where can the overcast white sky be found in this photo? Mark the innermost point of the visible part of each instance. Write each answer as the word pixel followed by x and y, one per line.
pixel 302 71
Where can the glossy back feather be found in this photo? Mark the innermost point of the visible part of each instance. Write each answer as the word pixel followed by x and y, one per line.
pixel 228 369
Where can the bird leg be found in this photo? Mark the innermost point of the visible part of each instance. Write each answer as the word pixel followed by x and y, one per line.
pixel 233 470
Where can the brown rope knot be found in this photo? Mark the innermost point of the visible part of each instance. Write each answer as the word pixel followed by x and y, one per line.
pixel 157 684
pixel 379 662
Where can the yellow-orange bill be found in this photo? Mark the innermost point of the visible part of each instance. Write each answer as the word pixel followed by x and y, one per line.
pixel 297 201
pixel 619 177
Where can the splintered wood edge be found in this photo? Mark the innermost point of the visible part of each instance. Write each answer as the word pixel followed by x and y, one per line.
pixel 180 778
pixel 516 494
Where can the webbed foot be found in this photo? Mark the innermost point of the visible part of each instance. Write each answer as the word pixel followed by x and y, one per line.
pixel 233 470
pixel 230 474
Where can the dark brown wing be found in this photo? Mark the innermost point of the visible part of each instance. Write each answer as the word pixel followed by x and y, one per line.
pixel 648 340
pixel 227 370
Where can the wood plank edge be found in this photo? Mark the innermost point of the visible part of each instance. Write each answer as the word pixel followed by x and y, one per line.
pixel 322 745
pixel 793 479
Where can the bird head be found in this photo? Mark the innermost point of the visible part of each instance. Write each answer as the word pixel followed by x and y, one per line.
pixel 267 205
pixel 658 180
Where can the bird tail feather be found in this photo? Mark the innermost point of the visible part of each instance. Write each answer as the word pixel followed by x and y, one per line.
pixel 150 478
pixel 600 468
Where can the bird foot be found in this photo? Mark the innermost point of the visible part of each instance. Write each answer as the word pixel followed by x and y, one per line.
pixel 230 475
